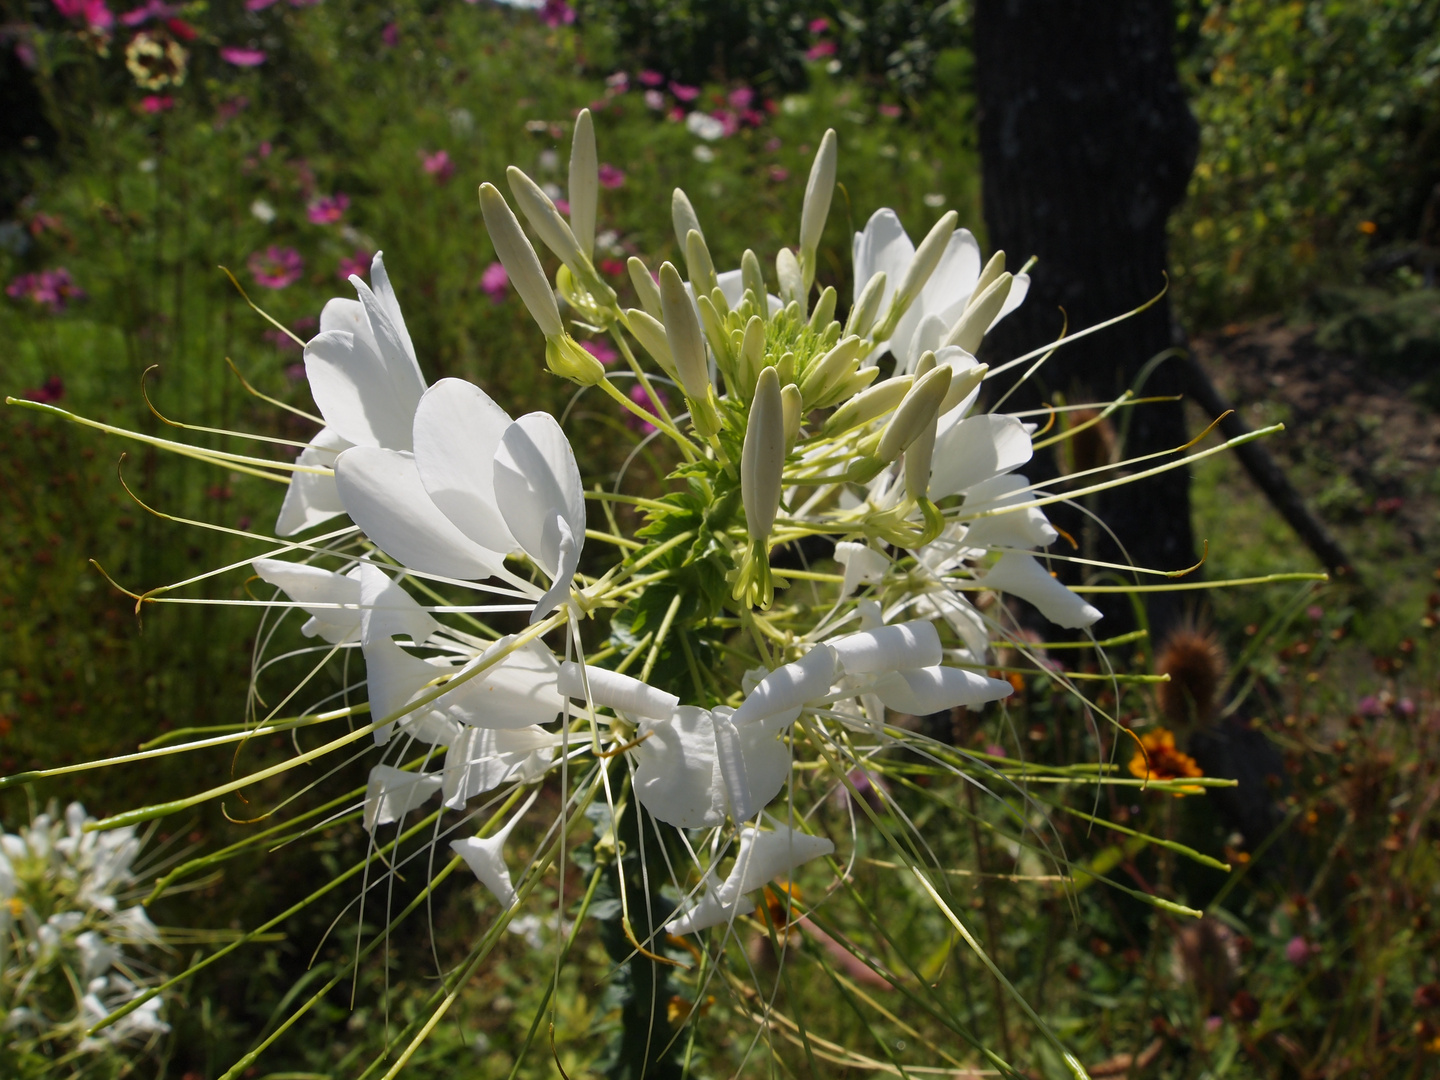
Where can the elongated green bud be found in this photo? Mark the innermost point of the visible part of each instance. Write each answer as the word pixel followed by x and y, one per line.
pixel 969 330
pixel 699 265
pixel 819 189
pixel 920 408
pixel 786 368
pixel 862 315
pixel 855 380
pixel 961 383
pixel 752 352
pixel 645 287
pixel 567 358
pixel 917 274
pixel 713 324
pixel 682 330
pixel 824 311
pixel 682 217
pixel 794 408
pixel 763 457
pixel 787 269
pixel 553 231
pixel 651 334
pixel 826 372
pixel 868 405
pixel 919 456
pixel 584 188
pixel 752 275
pixel 521 263
pixel 993 269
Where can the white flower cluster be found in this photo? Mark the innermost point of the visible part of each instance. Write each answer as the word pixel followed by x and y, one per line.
pixel 796 425
pixel 64 936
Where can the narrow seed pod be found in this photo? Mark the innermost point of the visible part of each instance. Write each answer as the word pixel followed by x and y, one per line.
pixel 969 330
pixel 752 275
pixel 651 334
pixel 763 457
pixel 520 261
pixel 584 183
pixel 794 409
pixel 829 369
pixel 824 311
pixel 787 269
pixel 752 352
pixel 819 189
pixel 699 265
pixel 922 265
pixel 919 409
pixel 868 405
pixel 645 287
pixel 862 315
pixel 961 384
pixel 682 330
pixel 682 217
pixel 993 269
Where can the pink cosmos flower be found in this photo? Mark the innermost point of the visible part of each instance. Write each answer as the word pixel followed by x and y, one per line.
pixel 651 78
pixel 890 111
pixel 390 36
pixel 495 281
pixel 52 389
pixel 245 58
pixel 258 5
pixel 152 9
pixel 654 99
pixel 563 205
pixel 820 50
pixel 96 14
pixel 355 265
pixel 277 267
pixel 742 97
pixel 617 83
pixel 438 165
pixel 610 176
pixel 51 289
pixel 182 29
pixel 328 209
pixel 602 350
pixel 612 268
pixel 728 120
pixel 1298 951
pixel 156 103
pixel 557 13
pixel 779 173
pixel 683 92
pixel 819 26
pixel 638 395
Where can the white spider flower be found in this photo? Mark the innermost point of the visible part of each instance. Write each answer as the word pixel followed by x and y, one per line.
pixel 764 856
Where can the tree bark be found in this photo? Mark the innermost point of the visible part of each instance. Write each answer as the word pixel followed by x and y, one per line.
pixel 1086 145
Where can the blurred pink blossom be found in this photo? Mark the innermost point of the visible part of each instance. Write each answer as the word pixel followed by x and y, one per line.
pixel 152 9
pixel 276 267
pixel 328 209
pixel 1369 705
pixel 96 14
pixel 258 5
pixel 390 35
pixel 52 389
pixel 819 26
pixel 820 50
pixel 357 265
pixel 612 268
pixel 618 82
pixel 654 99
pixel 602 350
pixel 742 97
pixel 1298 951
pixel 890 111
pixel 557 13
pixel 779 173
pixel 683 92
pixel 773 144
pixel 563 205
pixel 728 120
pixel 438 165
pixel 52 289
pixel 156 103
pixel 246 58
pixel 25 53
pixel 610 176
pixel 638 395
pixel 651 78
pixel 495 281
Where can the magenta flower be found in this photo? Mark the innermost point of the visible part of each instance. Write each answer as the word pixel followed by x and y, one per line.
pixel 610 176
pixel 328 209
pixel 612 268
pixel 651 78
pixel 156 103
pixel 51 289
pixel 152 9
pixel 1298 951
pixel 495 281
pixel 820 50
pixel 245 58
pixel 96 14
pixel 357 265
pixel 438 165
pixel 390 36
pixel 277 267
pixel 890 111
pixel 617 83
pixel 259 5
pixel 563 205
pixel 820 25
pixel 778 173
pixel 654 99
pixel 557 13
pixel 730 123
pixel 683 92
pixel 52 389
pixel 638 395
pixel 742 97
pixel 602 350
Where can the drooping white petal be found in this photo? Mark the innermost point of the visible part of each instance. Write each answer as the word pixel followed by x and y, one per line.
pixel 752 761
pixel 387 609
pixel 312 497
pixel 480 759
pixel 1021 575
pixel 457 432
pixel 1019 528
pixel 962 617
pixel 518 692
pixel 913 644
pixel 308 585
pixel 709 911
pixel 486 859
pixel 976 449
pixel 383 494
pixel 925 690
pixel 863 565
pixel 1019 287
pixel 617 691
pixel 676 777
pixel 538 487
pixel 392 340
pixel 384 292
pixel 791 686
pixel 395 678
pixel 392 793
pixel 765 856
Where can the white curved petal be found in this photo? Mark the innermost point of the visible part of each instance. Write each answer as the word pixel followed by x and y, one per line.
pixel 1019 528
pixel 486 859
pixel 384 292
pixel 348 315
pixel 480 759
pixel 963 619
pixel 791 686
pixel 617 691
pixel 457 432
pixel 732 284
pixel 308 585
pixel 312 497
pixel 394 678
pixel 393 343
pixel 1021 575
pixel 958 361
pixel 518 692
pixel 569 559
pixel 676 778
pixel 383 495
pixel 913 644
pixel 973 450
pixel 392 793
pixel 388 610
pixel 357 393
pixel 765 856
pixel 752 761
pixel 536 481
pixel 709 911
pixel 940 302
pixel 862 563
pixel 883 246
pixel 1019 288
pixel 921 691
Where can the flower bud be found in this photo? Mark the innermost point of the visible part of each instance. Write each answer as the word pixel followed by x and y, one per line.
pixel 793 406
pixel 919 409
pixel 682 331
pixel 751 353
pixel 651 335
pixel 993 269
pixel 786 368
pixel 714 325
pixel 969 330
pixel 584 183
pixel 867 406
pixel 787 269
pixel 862 315
pixel 763 457
pixel 818 191
pixel 567 358
pixel 824 312
pixel 545 219
pixel 919 456
pixel 520 261
pixel 700 266
pixel 682 216
pixel 961 385
pixel 753 277
pixel 829 370
pixel 922 265
pixel 645 287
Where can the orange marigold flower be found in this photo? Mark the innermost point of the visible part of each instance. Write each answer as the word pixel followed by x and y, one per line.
pixel 1159 760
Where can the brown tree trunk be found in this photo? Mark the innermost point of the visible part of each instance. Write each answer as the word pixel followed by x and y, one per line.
pixel 1086 145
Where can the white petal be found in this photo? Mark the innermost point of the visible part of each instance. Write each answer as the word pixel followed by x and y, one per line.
pixel 732 284
pixel 518 692
pixel 536 481
pixel 941 300
pixel 963 619
pixel 676 778
pixel 356 393
pixel 791 686
pixel 1021 575
pixel 392 793
pixel 912 644
pixel 974 450
pixel 457 432
pixel 480 759
pixel 765 856
pixel 884 246
pixel 753 761
pixel 709 911
pixel 383 495
pixel 388 610
pixel 569 559
pixel 926 690
pixel 863 565
pixel 348 315
pixel 1019 528
pixel 311 497
pixel 392 341
pixel 620 692
pixel 486 859
pixel 1019 287
pixel 394 677
pixel 385 294
pixel 307 585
